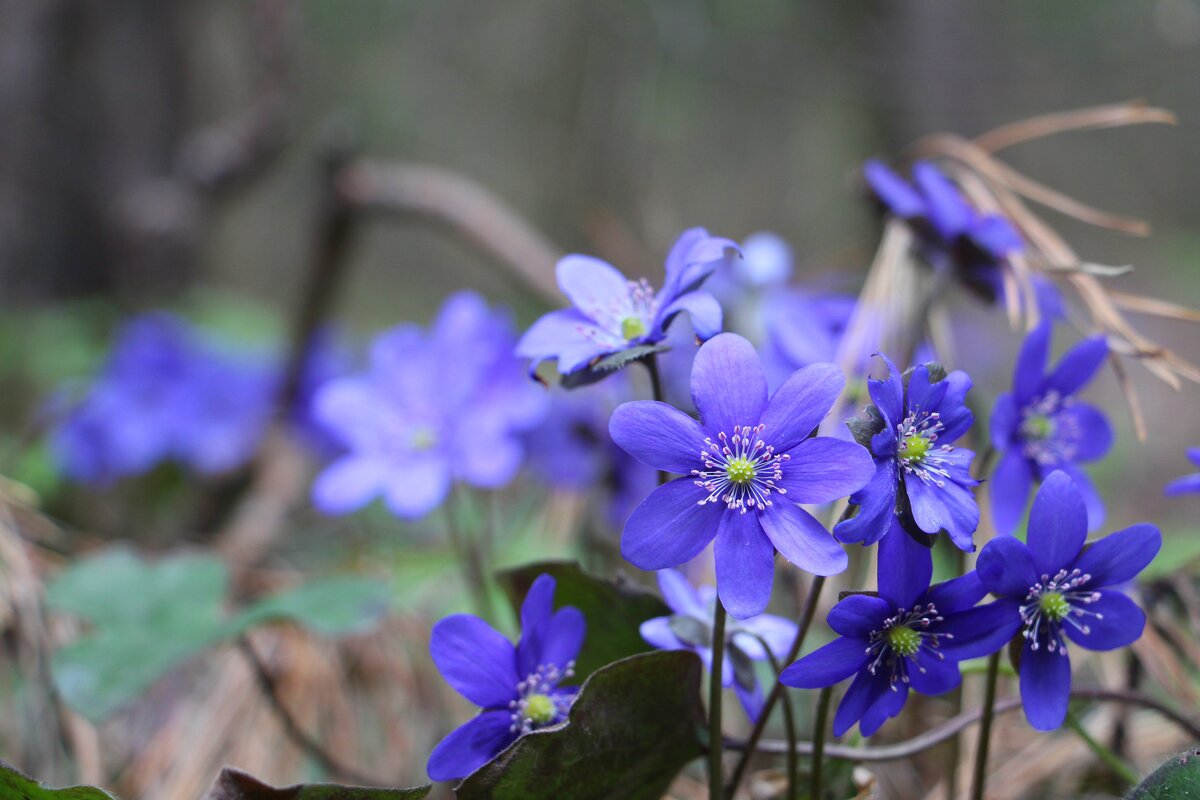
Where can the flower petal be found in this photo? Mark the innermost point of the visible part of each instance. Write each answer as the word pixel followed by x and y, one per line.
pixel 658 435
pixel 1002 427
pixel 799 405
pixel 947 210
pixel 471 745
pixel 827 665
pixel 416 487
pixel 670 527
pixel 680 595
pixel 350 410
pixel 777 632
pixel 895 192
pixel 475 659
pixel 729 386
pixel 1077 366
pixel 1120 556
pixel 864 692
pixel 957 594
pixel 876 506
pixel 1006 568
pixel 924 395
pixel 888 394
pixel 1057 524
pixel 905 567
pixel 564 637
pixel 1087 490
pixel 1111 621
pixel 693 258
pixel 745 563
pixel 888 704
pixel 802 540
pixel 1045 686
pixel 1091 434
pixel 657 632
pixel 950 507
pixel 349 483
pixel 702 309
pixel 596 288
pixel 570 337
pixel 823 469
pixel 1031 364
pixel 751 699
pixel 1188 484
pixel 932 675
pixel 1009 490
pixel 980 631
pixel 858 615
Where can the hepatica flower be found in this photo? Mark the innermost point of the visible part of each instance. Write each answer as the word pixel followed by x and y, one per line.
pixel 912 635
pixel 746 465
pixel 919 477
pixel 438 406
pixel 1040 427
pixel 1188 484
pixel 610 313
pixel 758 638
pixel 1056 589
pixel 517 687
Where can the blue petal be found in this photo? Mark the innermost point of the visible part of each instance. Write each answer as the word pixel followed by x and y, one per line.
pixel 923 395
pixel 876 506
pixel 823 469
pixel 1031 364
pixel 766 260
pixel 536 609
pixel 658 435
pixel 956 594
pixel 470 746
pixel 802 540
pixel 1002 426
pixel 900 198
pixel 680 595
pixel 1045 686
pixel 980 631
pixel 950 507
pixel 888 703
pixel 702 309
pixel 475 659
pixel 728 384
pixel 1057 524
pixel 670 527
pixel 1009 490
pixel 1193 454
pixel 864 692
pixel 417 486
pixel 1120 556
pixel 1111 621
pixel 777 632
pixel 1006 568
pixel 954 414
pixel 1188 484
pixel 859 614
pixel 1077 366
pixel 1091 434
pixel 827 665
pixel 693 258
pixel 745 564
pixel 568 336
pixel 349 483
pixel 948 211
pixel 751 699
pixel 995 235
pixel 596 288
pixel 888 394
pixel 1091 498
pixel 564 637
pixel 905 568
pixel 350 409
pixel 932 675
pixel 657 632
pixel 799 405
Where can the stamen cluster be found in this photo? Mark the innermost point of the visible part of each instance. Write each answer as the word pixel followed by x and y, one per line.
pixel 536 704
pixel 901 638
pixel 740 470
pixel 917 452
pixel 1053 601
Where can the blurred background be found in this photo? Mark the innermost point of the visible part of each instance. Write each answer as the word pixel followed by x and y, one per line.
pixel 173 154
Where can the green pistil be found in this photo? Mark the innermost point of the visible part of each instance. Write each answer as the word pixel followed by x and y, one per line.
pixel 633 328
pixel 904 640
pixel 423 438
pixel 915 447
pixel 540 709
pixel 1054 606
pixel 739 471
pixel 1037 427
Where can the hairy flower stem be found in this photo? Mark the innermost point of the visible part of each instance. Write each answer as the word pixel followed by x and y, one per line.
pixel 715 740
pixel 1114 762
pixel 985 727
pixel 470 559
pixel 806 618
pixel 651 362
pixel 818 757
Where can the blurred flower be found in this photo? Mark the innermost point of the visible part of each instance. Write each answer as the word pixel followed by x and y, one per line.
pixel 911 634
pixel 1040 427
pixel 610 313
pixel 802 328
pixel 746 641
pixel 1188 484
pixel 517 688
pixel 738 463
pixel 165 394
pixel 438 406
pixel 1054 586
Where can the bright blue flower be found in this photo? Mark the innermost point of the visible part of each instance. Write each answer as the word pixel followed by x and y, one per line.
pixel 1056 589
pixel 438 406
pixel 746 641
pixel 611 313
pixel 165 394
pixel 1040 427
pixel 517 687
pixel 919 477
pixel 910 635
pixel 746 465
pixel 1188 484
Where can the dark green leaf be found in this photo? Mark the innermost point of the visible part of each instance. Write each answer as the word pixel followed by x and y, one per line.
pixel 604 367
pixel 633 727
pixel 864 426
pixel 613 611
pixel 15 786
pixel 1177 779
pixel 233 784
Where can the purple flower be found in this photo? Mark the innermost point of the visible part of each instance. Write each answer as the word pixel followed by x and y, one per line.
pixel 910 635
pixel 611 313
pixel 746 641
pixel 802 328
pixel 919 477
pixel 517 687
pixel 435 407
pixel 1188 484
pixel 1040 427
pixel 746 467
pixel 1056 589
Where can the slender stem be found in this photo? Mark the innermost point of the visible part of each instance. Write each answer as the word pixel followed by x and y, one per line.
pixel 789 727
pixel 471 561
pixel 651 363
pixel 714 703
pixel 954 756
pixel 985 727
pixel 1115 762
pixel 806 617
pixel 818 758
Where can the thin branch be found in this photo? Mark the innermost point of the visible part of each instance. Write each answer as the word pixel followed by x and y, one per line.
pixel 1083 119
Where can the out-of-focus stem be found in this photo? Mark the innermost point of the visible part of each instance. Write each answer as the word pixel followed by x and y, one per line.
pixel 818 758
pixel 985 728
pixel 715 740
pixel 470 559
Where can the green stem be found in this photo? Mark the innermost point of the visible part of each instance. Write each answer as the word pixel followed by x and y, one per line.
pixel 1114 762
pixel 651 362
pixel 715 740
pixel 818 757
pixel 985 728
pixel 471 561
pixel 789 727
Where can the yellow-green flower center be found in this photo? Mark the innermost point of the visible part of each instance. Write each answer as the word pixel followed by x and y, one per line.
pixel 1054 606
pixel 914 447
pixel 423 438
pixel 633 328
pixel 904 640
pixel 1037 427
pixel 540 709
pixel 739 470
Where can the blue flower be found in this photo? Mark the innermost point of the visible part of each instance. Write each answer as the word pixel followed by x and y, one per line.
pixel 517 687
pixel 439 406
pixel 801 328
pixel 746 641
pixel 910 635
pixel 746 465
pixel 1055 589
pixel 1040 427
pixel 611 313
pixel 919 477
pixel 1188 484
